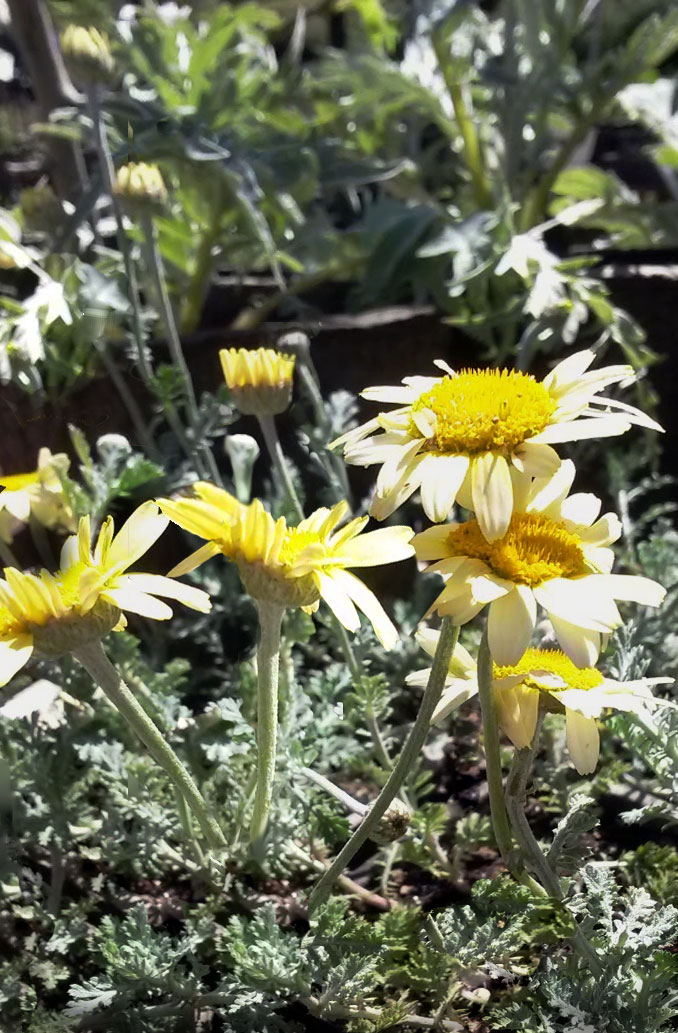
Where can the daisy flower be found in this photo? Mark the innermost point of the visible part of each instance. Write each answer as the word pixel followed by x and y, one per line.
pixel 549 676
pixel 259 380
pixel 38 492
pixel 554 553
pixel 456 437
pixel 293 566
pixel 53 614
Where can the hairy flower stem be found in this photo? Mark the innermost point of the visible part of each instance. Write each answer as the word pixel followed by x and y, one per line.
pixel 268 662
pixel 410 751
pixel 500 822
pixel 166 314
pixel 272 442
pixel 516 790
pixel 93 658
pixel 108 178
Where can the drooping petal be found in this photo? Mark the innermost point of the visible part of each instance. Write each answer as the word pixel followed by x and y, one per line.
pixel 196 516
pixel 583 741
pixel 547 493
pixel 367 601
pixel 454 695
pixel 517 709
pixel 492 493
pixel 14 654
pixel 339 601
pixel 156 584
pixel 441 478
pixel 510 625
pixel 581 644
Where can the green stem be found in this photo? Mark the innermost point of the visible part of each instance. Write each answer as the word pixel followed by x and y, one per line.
pixel 472 153
pixel 378 743
pixel 402 767
pixel 268 660
pixel 516 789
pixel 500 822
pixel 534 208
pixel 93 658
pixel 272 441
pixel 108 177
pixel 165 312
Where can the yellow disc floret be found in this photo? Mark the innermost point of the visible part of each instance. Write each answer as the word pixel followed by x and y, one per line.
pixel 484 411
pixel 533 550
pixel 537 661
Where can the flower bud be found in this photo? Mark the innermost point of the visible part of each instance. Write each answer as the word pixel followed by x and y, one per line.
pixel 140 186
pixel 260 381
pixel 393 825
pixel 88 54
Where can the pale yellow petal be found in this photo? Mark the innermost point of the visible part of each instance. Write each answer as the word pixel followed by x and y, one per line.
pixel 339 602
pixel 387 545
pixel 581 644
pixel 137 535
pixel 583 741
pixel 634 589
pixel 14 654
pixel 431 543
pixel 492 493
pixel 138 602
pixel 200 556
pixel 156 584
pixel 367 601
pixel 441 478
pixel 585 601
pixel 510 624
pixel 517 709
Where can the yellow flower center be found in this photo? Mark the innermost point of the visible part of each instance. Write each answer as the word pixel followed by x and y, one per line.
pixel 294 544
pixel 19 481
pixel 9 626
pixel 485 411
pixel 555 662
pixel 533 550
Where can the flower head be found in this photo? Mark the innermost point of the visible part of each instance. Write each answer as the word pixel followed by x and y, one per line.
pixel 87 53
pixel 260 380
pixel 293 566
pixel 39 492
pixel 458 436
pixel 554 553
pixel 549 677
pixel 141 185
pixel 55 613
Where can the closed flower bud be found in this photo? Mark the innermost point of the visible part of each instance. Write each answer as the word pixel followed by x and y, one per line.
pixel 138 185
pixel 260 381
pixel 88 54
pixel 393 825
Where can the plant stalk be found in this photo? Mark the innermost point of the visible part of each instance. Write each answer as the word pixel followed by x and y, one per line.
pixel 516 789
pixel 410 751
pixel 93 658
pixel 272 441
pixel 268 662
pixel 500 822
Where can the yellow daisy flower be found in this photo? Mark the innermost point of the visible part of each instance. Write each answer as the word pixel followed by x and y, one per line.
pixel 293 566
pixel 549 675
pixel 458 436
pixel 39 492
pixel 554 553
pixel 55 613
pixel 260 380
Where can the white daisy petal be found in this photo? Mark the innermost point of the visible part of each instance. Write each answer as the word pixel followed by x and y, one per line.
pixel 579 430
pixel 367 601
pixel 634 589
pixel 583 601
pixel 398 395
pixel 155 584
pixel 339 602
pixel 581 644
pixel 536 460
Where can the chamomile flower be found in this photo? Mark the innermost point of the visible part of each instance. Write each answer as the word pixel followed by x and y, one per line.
pixel 260 380
pixel 38 492
pixel 554 553
pixel 545 675
pixel 53 614
pixel 458 436
pixel 293 566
